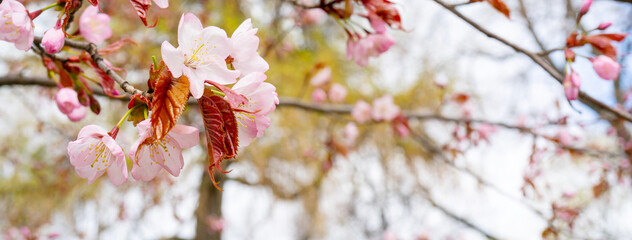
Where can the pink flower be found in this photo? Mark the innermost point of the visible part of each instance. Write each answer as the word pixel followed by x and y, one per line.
pixel 162 3
pixel 606 67
pixel 371 45
pixel 361 111
pixel 253 116
pixel 200 55
pixel 311 16
pixel 53 40
pixel 350 134
pixel 384 109
pixel 68 104
pixel 485 130
pixel 16 25
pixel 337 93
pixel 571 85
pixel 245 57
pixel 95 152
pixel 321 77
pixel 215 224
pixel 377 24
pixel 151 156
pixel 94 26
pixel 319 95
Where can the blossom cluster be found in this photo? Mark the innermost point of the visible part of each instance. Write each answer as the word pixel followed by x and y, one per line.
pixel 208 58
pixel 605 65
pixel 365 42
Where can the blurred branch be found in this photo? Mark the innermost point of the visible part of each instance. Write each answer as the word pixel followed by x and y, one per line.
pixel 93 51
pixel 593 103
pixel 345 109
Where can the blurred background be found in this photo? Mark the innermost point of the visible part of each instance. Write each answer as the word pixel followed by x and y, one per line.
pixel 500 154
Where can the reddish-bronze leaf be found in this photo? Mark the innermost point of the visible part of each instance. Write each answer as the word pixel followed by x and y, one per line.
pixel 500 6
pixel 602 44
pixel 141 7
pixel 221 131
pixel 114 47
pixel 232 96
pixel 94 2
pixel 170 98
pixel 138 106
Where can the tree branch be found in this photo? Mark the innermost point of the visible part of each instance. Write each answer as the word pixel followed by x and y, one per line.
pixel 93 51
pixel 593 103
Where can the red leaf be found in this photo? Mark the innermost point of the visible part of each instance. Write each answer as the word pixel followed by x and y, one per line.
pixel 94 2
pixel 602 44
pixel 139 105
pixel 231 96
pixel 170 98
pixel 141 7
pixel 114 47
pixel 221 131
pixel 614 36
pixel 500 6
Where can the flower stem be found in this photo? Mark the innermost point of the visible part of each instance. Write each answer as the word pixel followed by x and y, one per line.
pixel 218 93
pixel 126 115
pixel 153 58
pixel 35 14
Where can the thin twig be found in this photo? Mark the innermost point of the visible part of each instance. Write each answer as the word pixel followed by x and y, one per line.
pixel 583 97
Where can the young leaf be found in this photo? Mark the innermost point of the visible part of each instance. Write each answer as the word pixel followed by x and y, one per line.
pixel 170 98
pixel 500 6
pixel 221 131
pixel 141 7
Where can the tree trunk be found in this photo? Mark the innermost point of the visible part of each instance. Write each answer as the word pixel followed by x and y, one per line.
pixel 209 204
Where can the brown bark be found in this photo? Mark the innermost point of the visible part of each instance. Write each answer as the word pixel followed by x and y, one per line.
pixel 209 204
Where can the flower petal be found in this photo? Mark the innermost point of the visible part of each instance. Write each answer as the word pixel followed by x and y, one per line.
pixel 173 57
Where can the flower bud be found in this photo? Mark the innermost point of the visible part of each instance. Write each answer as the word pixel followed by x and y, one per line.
pixel 53 40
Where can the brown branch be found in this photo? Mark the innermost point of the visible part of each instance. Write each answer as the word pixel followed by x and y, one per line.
pixel 345 109
pixel 93 51
pixel 593 103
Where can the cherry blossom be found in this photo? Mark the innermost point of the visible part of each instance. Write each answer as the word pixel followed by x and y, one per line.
pixel 571 84
pixel 361 111
pixel 95 152
pixel 149 156
pixel 244 55
pixel 321 77
pixel 252 116
pixel 350 134
pixel 200 55
pixel 94 26
pixel 372 45
pixel 384 109
pixel 16 25
pixel 312 16
pixel 162 3
pixel 337 93
pixel 53 40
pixel 68 104
pixel 485 130
pixel 319 95
pixel 606 67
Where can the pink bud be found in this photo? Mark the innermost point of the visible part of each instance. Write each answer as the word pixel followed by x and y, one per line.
pixel 67 101
pixel 606 67
pixel 585 7
pixel 604 26
pixel 572 83
pixel 337 93
pixel 78 114
pixel 53 40
pixel 319 95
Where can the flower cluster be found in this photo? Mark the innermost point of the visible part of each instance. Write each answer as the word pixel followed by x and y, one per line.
pixel 203 63
pixel 321 80
pixel 16 25
pixel 605 65
pixel 383 109
pixel 363 43
pixel 208 56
